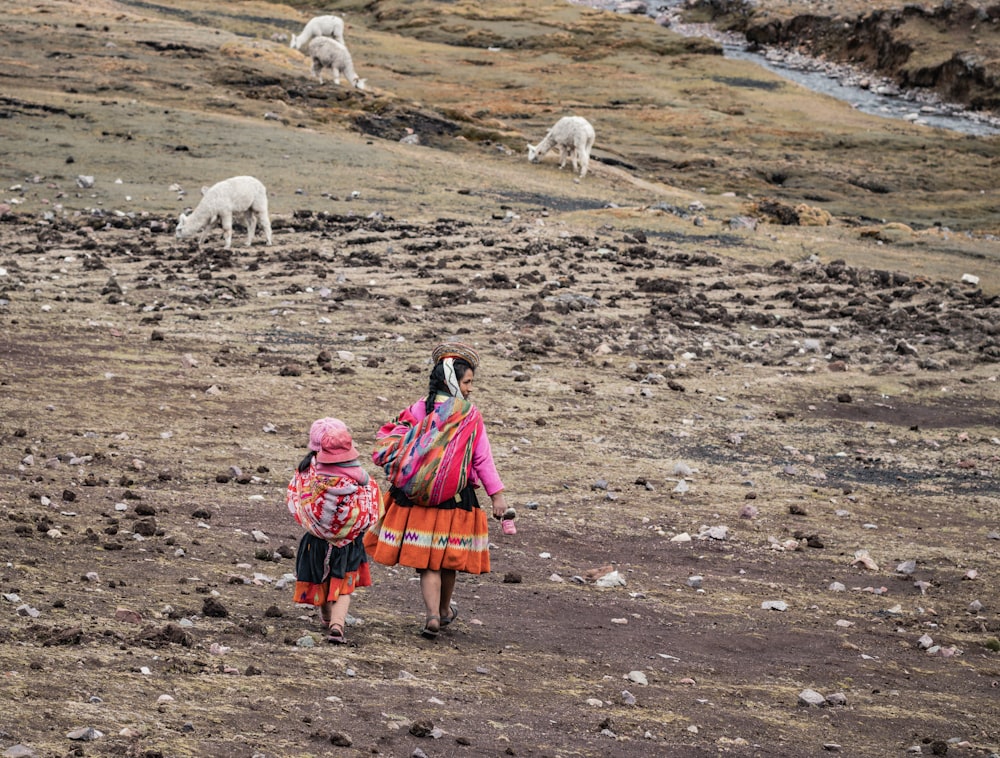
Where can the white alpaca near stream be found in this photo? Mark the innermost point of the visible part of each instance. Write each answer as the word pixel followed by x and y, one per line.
pixel 241 195
pixel 327 53
pixel 574 136
pixel 320 26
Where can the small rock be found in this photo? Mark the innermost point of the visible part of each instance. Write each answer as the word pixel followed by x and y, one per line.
pixel 128 616
pixel 861 557
pixel 836 699
pixel 811 698
pixel 422 728
pixel 340 739
pixel 638 677
pixel 774 605
pixel 695 581
pixel 682 537
pixel 907 567
pixel 748 511
pixel 213 608
pixel 18 751
pixel 613 579
pixel 85 734
pixel 713 532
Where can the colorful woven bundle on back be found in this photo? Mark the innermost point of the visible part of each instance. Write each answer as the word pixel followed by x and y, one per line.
pixel 333 508
pixel 429 460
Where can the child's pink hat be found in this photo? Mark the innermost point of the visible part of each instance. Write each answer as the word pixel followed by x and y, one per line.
pixel 331 439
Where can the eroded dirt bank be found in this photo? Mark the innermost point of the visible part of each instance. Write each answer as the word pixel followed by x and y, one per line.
pixel 950 48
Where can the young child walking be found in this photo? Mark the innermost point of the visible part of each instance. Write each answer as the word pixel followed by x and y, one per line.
pixel 332 497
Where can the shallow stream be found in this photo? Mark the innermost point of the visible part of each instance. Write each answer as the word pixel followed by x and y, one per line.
pixel 864 91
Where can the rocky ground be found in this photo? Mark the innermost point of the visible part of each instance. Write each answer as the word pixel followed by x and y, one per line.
pixel 763 411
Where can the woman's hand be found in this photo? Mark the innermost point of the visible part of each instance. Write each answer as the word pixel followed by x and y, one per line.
pixel 499 504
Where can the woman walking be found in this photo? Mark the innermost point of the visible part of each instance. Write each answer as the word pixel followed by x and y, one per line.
pixel 436 454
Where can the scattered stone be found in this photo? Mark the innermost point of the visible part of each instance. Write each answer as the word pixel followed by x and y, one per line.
pixel 422 728
pixel 613 579
pixel 906 567
pixel 682 537
pixel 213 608
pixel 713 532
pixel 128 616
pixel 695 581
pixel 18 751
pixel 774 605
pixel 638 677
pixel 85 734
pixel 862 558
pixel 811 698
pixel 340 739
pixel 837 587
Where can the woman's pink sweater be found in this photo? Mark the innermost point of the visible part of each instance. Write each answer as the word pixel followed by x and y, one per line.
pixel 484 470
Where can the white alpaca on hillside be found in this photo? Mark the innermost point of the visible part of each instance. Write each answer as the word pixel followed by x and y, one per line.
pixel 242 195
pixel 327 53
pixel 574 136
pixel 320 26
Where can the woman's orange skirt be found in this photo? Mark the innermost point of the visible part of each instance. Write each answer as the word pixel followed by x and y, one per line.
pixel 431 538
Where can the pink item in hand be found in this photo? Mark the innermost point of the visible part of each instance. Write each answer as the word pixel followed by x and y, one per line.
pixel 507 525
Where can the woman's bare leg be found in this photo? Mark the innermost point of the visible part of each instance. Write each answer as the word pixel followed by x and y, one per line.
pixel 448 577
pixel 431 584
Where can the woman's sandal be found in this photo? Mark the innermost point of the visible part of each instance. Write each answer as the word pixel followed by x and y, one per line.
pixel 336 634
pixel 429 632
pixel 451 617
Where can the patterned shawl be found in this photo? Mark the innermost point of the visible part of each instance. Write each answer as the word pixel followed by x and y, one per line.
pixel 334 508
pixel 429 460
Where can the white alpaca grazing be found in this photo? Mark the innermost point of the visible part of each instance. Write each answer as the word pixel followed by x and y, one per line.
pixel 242 195
pixel 321 26
pixel 574 136
pixel 328 53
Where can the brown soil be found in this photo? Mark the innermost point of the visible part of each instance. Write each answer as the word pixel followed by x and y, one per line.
pixel 840 379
